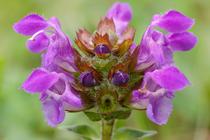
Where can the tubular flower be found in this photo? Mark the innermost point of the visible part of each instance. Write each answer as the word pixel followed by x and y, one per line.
pixel 108 75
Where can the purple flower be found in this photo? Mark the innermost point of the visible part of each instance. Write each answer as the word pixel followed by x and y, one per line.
pixel 47 38
pixel 121 13
pixel 157 48
pixel 158 89
pixel 55 94
pixel 110 72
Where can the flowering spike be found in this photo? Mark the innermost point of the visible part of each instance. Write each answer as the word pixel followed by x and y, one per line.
pixel 108 74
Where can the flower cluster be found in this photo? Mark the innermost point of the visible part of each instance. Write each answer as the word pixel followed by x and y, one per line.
pixel 107 73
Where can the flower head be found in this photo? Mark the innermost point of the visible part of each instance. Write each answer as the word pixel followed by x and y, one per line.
pixel 110 74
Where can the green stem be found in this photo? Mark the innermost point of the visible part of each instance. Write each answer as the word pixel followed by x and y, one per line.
pixel 107 128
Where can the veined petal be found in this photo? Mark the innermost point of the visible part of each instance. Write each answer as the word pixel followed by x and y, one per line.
pixel 170 78
pixel 121 13
pixel 173 21
pixel 182 41
pixel 72 100
pixel 55 23
pixel 38 43
pixel 153 50
pixel 139 100
pixel 63 91
pixel 30 24
pixel 59 53
pixel 159 109
pixel 39 81
pixel 53 111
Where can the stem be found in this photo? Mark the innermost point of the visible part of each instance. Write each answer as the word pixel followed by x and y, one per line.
pixel 107 128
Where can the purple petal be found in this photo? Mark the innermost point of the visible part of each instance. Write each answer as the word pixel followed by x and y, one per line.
pixel 54 22
pixel 182 41
pixel 158 47
pixel 43 96
pixel 159 109
pixel 53 111
pixel 121 13
pixel 62 90
pixel 132 48
pixel 39 81
pixel 38 43
pixel 154 50
pixel 139 100
pixel 169 78
pixel 174 21
pixel 60 54
pixel 59 87
pixel 72 100
pixel 30 24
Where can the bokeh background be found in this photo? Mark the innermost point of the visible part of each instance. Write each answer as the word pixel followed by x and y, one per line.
pixel 20 113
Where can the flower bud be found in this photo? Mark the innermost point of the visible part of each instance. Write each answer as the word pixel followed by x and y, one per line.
pixel 120 78
pixel 87 79
pixel 102 50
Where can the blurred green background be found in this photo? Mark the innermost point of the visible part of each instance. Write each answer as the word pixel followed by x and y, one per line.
pixel 20 113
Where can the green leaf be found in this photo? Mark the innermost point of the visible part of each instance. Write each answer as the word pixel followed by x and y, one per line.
pixel 93 116
pixel 119 114
pixel 132 134
pixel 85 131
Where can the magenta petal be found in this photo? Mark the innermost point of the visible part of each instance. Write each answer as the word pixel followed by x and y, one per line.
pixel 169 78
pixel 139 100
pixel 38 43
pixel 174 21
pixel 72 100
pixel 153 50
pixel 39 81
pixel 59 54
pixel 159 109
pixel 121 13
pixel 30 24
pixel 182 41
pixel 53 111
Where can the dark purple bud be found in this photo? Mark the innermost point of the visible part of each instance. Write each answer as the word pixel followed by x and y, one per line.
pixel 120 78
pixel 87 79
pixel 102 49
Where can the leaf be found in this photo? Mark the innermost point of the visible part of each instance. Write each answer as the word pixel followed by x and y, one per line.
pixel 132 134
pixel 119 114
pixel 93 116
pixel 85 131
